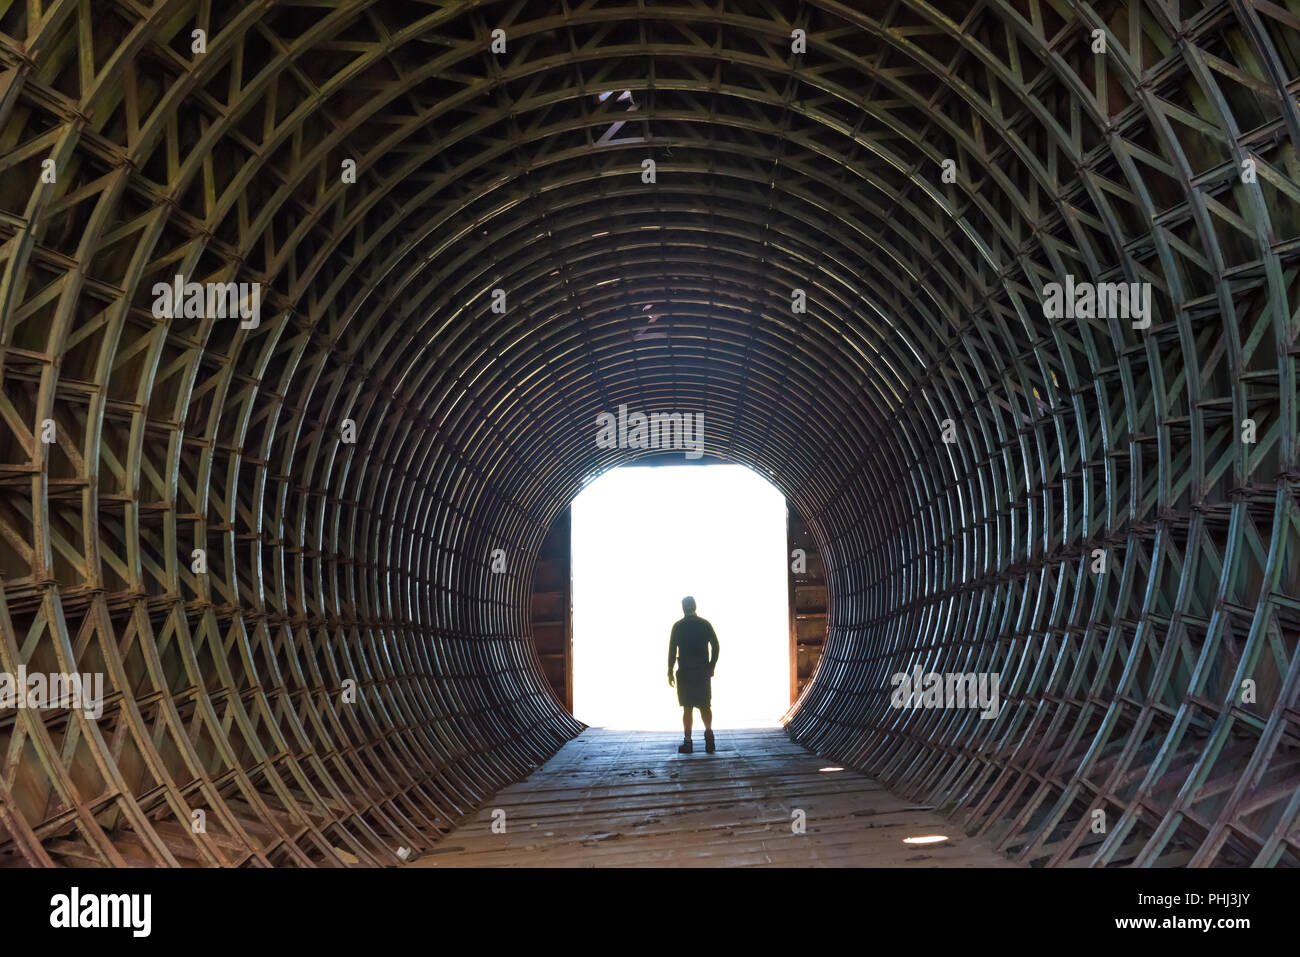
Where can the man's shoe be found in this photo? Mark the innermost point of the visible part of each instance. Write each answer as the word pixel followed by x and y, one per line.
pixel 709 744
pixel 685 747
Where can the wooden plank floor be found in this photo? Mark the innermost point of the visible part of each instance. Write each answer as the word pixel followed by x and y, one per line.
pixel 627 799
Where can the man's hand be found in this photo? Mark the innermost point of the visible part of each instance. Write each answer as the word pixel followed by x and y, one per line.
pixel 670 679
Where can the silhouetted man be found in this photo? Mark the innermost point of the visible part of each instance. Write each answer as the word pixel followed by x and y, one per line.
pixel 694 648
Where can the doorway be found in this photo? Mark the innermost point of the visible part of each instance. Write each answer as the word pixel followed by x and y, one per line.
pixel 642 538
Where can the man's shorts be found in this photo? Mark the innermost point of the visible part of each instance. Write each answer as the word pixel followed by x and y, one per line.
pixel 694 688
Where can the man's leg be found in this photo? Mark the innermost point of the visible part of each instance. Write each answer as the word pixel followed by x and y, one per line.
pixel 685 747
pixel 709 744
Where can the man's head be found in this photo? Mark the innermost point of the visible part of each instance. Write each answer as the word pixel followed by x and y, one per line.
pixel 688 605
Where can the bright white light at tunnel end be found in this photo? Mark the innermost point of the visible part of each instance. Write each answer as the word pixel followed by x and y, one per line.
pixel 642 538
pixel 926 839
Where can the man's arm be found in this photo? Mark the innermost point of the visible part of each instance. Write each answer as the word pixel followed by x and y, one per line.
pixel 713 649
pixel 672 653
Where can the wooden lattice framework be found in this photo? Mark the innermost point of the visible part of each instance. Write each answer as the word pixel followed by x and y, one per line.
pixel 776 170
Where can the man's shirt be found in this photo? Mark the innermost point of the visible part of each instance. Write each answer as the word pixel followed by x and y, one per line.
pixel 693 645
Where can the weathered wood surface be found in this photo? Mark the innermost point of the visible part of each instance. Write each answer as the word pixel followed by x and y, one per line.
pixel 627 799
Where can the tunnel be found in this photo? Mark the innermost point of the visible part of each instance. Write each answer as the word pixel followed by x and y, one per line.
pixel 310 313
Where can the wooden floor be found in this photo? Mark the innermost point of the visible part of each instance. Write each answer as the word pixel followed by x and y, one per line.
pixel 627 799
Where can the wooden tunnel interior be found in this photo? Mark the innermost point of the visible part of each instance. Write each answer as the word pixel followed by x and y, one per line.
pixel 274 534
